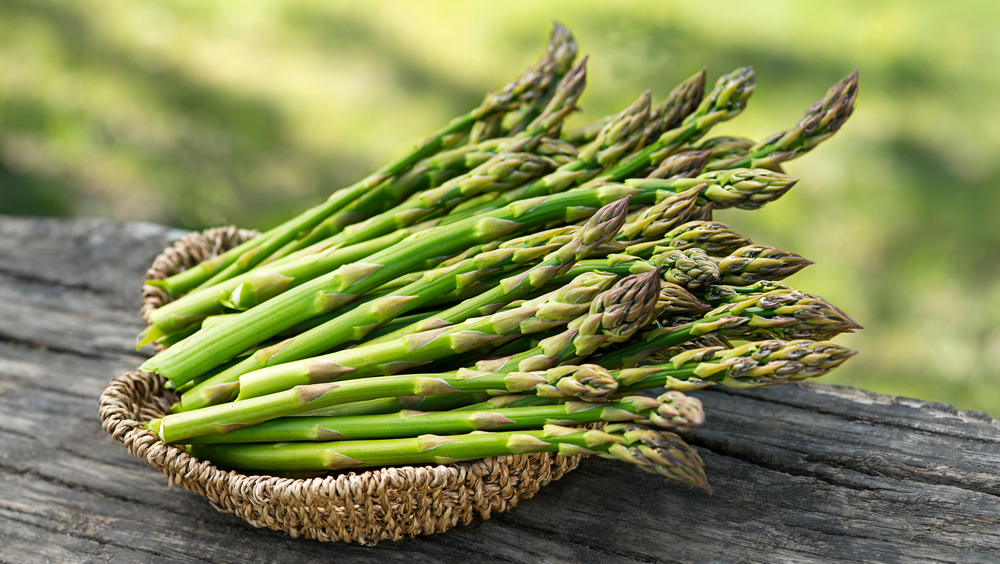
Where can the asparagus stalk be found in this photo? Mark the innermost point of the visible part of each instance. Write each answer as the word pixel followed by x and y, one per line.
pixel 659 452
pixel 508 168
pixel 682 165
pixel 262 284
pixel 598 230
pixel 820 121
pixel 515 164
pixel 617 138
pixel 343 285
pixel 613 318
pixel 746 189
pixel 356 323
pixel 653 221
pixel 754 364
pixel 428 174
pixel 534 89
pixel 590 383
pixel 727 294
pixel 241 258
pixel 751 365
pixel 328 292
pixel 668 114
pixel 786 314
pixel 552 310
pixel 531 91
pixel 724 102
pixel 672 411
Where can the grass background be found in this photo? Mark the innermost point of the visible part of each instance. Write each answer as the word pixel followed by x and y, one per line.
pixel 194 114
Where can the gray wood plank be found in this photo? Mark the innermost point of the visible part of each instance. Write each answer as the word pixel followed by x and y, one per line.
pixel 800 473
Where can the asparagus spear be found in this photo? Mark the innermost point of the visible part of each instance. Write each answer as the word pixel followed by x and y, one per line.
pixel 333 290
pixel 356 323
pixel 787 314
pixel 724 102
pixel 534 89
pixel 751 365
pixel 262 283
pixel 328 292
pixel 514 165
pixel 425 175
pixel 617 138
pixel 561 46
pixel 659 452
pixel 682 165
pixel 389 357
pixel 668 114
pixel 672 411
pixel 590 383
pixel 598 230
pixel 614 318
pixel 820 121
pixel 746 189
pixel 653 221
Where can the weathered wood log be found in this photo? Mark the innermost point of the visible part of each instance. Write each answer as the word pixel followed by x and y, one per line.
pixel 808 472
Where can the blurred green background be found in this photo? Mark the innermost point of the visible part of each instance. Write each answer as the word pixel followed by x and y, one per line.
pixel 194 114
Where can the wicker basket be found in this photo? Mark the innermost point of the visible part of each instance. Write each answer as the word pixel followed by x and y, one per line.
pixel 363 507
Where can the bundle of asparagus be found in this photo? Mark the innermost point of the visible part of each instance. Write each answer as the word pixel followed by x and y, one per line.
pixel 501 284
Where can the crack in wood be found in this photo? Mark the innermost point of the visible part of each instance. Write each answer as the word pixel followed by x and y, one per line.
pixel 30 279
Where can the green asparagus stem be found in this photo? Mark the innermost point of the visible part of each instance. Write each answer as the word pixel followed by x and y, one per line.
pixel 786 314
pixel 819 122
pixel 534 89
pixel 692 268
pixel 597 231
pixel 245 256
pixel 746 189
pixel 328 292
pixel 672 411
pixel 616 139
pixel 667 115
pixel 724 102
pixel 262 284
pixel 654 221
pixel 333 290
pixel 356 323
pixel 515 164
pixel 751 365
pixel 613 318
pixel 390 357
pixel 727 294
pixel 587 382
pixel 659 452
pixel 426 175
pixel 679 104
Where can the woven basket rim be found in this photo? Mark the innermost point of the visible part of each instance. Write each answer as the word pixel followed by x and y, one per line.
pixel 366 507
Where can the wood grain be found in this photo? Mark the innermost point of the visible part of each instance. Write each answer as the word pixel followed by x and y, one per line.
pixel 801 473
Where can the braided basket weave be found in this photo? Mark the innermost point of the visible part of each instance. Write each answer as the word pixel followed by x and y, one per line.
pixel 363 507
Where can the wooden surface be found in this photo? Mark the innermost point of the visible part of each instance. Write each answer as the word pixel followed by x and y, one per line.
pixel 800 473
